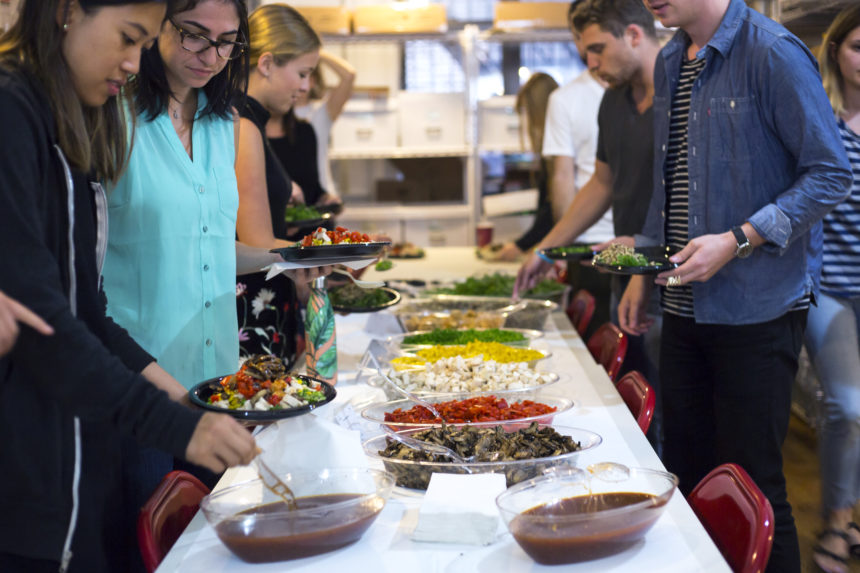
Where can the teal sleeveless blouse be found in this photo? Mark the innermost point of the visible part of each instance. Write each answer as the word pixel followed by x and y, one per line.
pixel 170 270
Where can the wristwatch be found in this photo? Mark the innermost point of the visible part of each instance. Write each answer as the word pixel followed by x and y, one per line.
pixel 744 247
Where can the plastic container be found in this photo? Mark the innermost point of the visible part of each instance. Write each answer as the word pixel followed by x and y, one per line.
pixel 416 474
pixel 376 412
pixel 256 526
pixel 573 515
pixel 457 311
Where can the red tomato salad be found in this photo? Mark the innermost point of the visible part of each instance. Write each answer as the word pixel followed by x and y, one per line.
pixel 340 236
pixel 262 383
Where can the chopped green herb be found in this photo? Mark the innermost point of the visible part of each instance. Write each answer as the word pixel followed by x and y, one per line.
pixel 450 336
pixel 301 213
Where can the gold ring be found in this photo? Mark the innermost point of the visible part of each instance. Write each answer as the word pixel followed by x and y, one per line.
pixel 674 281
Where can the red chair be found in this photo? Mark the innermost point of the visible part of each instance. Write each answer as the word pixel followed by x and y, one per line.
pixel 737 516
pixel 165 515
pixel 608 346
pixel 580 310
pixel 639 397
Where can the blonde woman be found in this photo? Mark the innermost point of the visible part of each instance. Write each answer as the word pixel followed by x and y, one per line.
pixel 832 333
pixel 320 107
pixel 284 51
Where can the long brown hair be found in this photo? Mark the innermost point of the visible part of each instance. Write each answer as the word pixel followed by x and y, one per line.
pixel 831 75
pixel 93 139
pixel 532 101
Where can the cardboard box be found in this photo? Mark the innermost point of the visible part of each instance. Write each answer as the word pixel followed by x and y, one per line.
pixel 400 18
pixel 429 120
pixel 366 124
pixel 522 16
pixel 327 19
pixel 499 124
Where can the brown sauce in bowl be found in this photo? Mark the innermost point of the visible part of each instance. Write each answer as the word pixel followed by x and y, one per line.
pixel 263 537
pixel 553 542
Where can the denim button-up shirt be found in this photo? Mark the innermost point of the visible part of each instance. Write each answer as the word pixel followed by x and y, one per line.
pixel 763 147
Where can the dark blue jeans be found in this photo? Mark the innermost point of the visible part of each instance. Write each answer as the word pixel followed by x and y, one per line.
pixel 727 398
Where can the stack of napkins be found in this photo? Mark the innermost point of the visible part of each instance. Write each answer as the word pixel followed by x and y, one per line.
pixel 275 269
pixel 460 509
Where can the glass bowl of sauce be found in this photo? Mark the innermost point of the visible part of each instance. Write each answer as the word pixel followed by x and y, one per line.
pixel 335 506
pixel 571 515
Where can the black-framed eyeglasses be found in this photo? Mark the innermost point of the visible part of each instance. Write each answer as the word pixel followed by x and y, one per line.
pixel 198 43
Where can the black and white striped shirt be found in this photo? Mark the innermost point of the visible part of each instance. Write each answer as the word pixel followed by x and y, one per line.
pixel 679 300
pixel 840 272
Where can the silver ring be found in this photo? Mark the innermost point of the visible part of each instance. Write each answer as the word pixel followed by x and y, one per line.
pixel 674 281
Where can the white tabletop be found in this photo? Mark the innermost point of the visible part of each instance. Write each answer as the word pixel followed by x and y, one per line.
pixel 440 263
pixel 676 543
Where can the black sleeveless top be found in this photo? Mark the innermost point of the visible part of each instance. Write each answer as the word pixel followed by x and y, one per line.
pixel 298 155
pixel 278 182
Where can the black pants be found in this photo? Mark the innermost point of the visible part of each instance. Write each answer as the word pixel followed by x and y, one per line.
pixel 598 284
pixel 727 398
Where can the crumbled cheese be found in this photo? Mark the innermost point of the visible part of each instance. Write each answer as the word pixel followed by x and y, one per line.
pixel 459 374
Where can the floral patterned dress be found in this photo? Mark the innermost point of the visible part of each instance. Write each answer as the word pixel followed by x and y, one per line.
pixel 269 319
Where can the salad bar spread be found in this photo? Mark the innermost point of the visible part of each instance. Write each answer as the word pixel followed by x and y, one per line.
pixel 262 383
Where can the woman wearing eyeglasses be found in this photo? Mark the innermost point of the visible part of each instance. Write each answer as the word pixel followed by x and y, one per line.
pixel 170 271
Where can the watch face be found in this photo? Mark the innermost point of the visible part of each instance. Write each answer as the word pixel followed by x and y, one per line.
pixel 744 250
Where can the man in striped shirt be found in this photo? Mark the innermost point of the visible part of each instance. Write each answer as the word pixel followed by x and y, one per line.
pixel 747 161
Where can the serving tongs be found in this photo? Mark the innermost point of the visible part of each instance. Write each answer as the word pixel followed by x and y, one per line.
pixel 358 282
pixel 376 347
pixel 273 483
pixel 430 448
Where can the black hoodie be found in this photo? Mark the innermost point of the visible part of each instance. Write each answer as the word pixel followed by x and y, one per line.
pixel 83 381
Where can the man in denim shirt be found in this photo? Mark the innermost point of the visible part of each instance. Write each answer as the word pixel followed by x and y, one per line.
pixel 747 160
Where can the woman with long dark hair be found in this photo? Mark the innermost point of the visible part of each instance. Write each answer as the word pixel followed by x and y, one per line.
pixel 67 400
pixel 172 258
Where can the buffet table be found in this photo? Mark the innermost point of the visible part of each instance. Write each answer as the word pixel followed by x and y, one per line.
pixel 676 543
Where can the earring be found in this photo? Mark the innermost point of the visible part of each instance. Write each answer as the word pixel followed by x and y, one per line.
pixel 65 26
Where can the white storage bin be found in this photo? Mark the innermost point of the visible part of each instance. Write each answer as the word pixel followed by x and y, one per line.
pixel 499 124
pixel 430 120
pixel 366 125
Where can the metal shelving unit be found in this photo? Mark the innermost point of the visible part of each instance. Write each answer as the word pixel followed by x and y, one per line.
pixel 402 153
pixel 468 210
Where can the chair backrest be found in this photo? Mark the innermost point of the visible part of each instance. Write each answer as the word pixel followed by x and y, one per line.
pixel 608 346
pixel 639 397
pixel 737 515
pixel 580 310
pixel 165 515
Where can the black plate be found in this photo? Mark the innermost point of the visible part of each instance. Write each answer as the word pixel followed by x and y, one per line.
pixel 331 253
pixel 301 223
pixel 333 208
pixel 556 255
pixel 200 394
pixel 657 254
pixel 394 298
